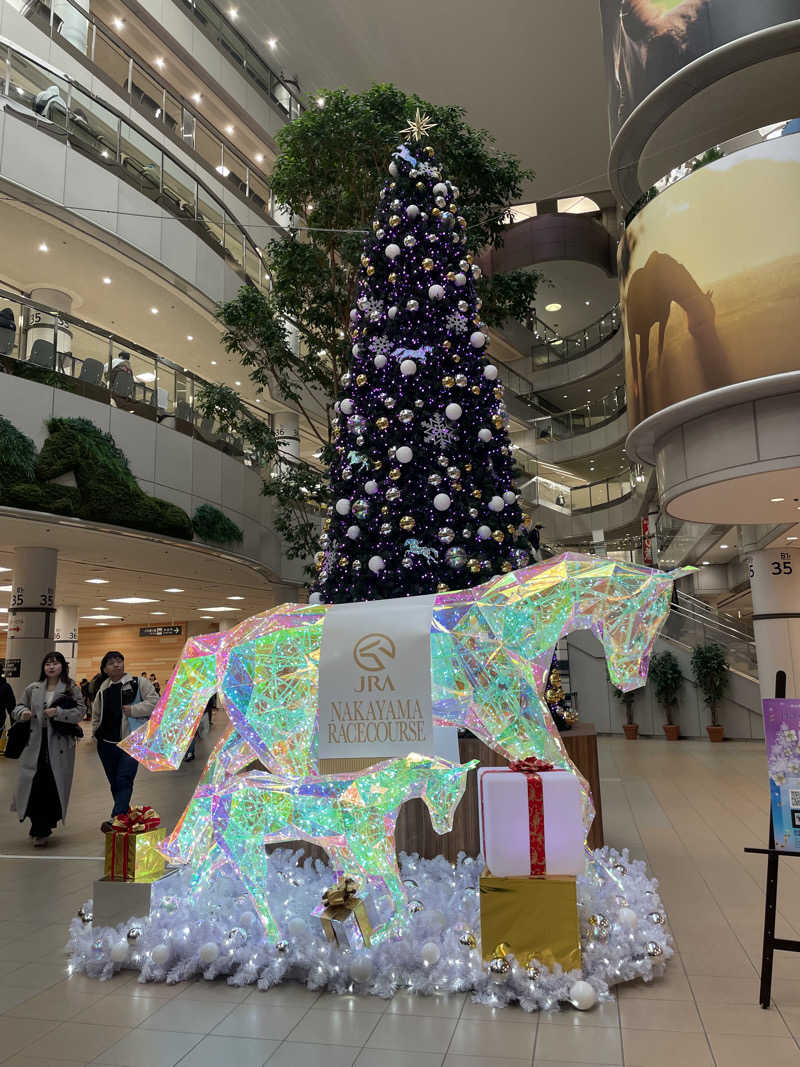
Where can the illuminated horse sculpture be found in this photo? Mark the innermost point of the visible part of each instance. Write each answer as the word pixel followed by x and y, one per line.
pixel 352 816
pixel 491 648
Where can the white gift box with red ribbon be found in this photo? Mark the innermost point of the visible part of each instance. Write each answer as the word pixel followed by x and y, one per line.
pixel 531 820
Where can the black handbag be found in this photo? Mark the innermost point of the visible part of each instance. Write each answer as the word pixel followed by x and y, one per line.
pixel 18 736
pixel 66 729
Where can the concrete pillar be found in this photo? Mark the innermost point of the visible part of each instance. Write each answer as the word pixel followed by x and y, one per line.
pixel 66 634
pixel 74 27
pixel 41 326
pixel 287 428
pixel 775 585
pixel 31 613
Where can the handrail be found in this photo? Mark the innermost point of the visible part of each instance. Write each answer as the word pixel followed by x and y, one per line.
pixel 700 607
pixel 584 418
pixel 690 630
pixel 115 142
pixel 545 348
pixel 538 490
pixel 66 352
pixel 167 109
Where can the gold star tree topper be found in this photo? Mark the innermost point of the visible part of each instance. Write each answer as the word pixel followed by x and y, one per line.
pixel 418 126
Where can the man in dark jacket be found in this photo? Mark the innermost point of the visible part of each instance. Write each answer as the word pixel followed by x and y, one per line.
pixel 7 700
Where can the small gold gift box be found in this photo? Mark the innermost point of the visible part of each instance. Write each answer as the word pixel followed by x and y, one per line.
pixel 535 917
pixel 134 857
pixel 346 919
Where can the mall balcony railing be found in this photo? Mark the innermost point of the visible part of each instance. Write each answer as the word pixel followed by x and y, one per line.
pixel 537 490
pixel 584 418
pixel 544 347
pixel 129 76
pixel 712 613
pixel 64 352
pixel 59 106
pixel 690 628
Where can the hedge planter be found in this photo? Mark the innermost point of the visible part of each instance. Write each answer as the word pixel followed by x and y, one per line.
pixel 715 733
pixel 672 731
pixel 631 730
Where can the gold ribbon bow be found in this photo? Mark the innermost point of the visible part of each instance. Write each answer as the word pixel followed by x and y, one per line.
pixel 341 894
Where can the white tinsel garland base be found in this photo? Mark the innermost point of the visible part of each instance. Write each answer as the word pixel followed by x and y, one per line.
pixel 213 931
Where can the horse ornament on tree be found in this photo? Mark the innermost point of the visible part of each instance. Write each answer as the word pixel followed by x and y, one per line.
pixel 490 650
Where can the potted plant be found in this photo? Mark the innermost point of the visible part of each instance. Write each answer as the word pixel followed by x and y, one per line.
pixel 665 672
pixel 710 670
pixel 630 727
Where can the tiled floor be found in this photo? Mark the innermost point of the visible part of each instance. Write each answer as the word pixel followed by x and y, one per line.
pixel 688 808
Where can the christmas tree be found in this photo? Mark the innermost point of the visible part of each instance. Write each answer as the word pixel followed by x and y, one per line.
pixel 423 474
pixel 562 712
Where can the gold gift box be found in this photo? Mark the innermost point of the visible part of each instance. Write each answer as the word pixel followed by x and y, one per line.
pixel 535 917
pixel 134 857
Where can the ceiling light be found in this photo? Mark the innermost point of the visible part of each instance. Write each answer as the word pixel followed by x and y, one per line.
pixel 791 538
pixel 160 63
pixel 43 247
pixel 233 13
pixel 189 336
pixel 94 617
pixel 131 600
pixel 723 546
pixel 273 42
pixel 8 588
pixel 588 390
pixel 213 363
pixel 3 611
pixel 158 613
pixel 565 396
pixel 173 590
pixel 706 563
pixel 776 499
pixel 146 376
pixel 153 311
pixel 259 157
pixel 237 383
pixel 227 598
pixel 196 97
pixel 258 399
pixel 320 101
pixel 101 624
pixel 223 170
pixel 206 616
pixel 223 608
pixel 552 307
pixel 4 569
pixel 229 129
pixel 106 281
pixel 587 302
pixel 96 581
pixel 118 23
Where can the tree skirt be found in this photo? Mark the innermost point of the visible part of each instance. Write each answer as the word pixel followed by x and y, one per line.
pixel 213 931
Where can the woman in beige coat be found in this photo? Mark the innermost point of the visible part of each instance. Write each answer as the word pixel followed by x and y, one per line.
pixel 48 760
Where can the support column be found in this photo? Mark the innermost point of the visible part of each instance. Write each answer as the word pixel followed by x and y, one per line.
pixel 287 429
pixel 44 327
pixel 66 634
pixel 775 585
pixel 31 612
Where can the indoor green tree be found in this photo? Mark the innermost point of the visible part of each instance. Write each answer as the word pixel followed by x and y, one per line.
pixel 665 674
pixel 294 339
pixel 710 670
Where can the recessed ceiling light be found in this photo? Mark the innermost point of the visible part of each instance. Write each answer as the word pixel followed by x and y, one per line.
pixel 189 336
pixel 565 396
pixel 173 590
pixel 237 383
pixel 233 13
pixel 159 63
pixel 791 538
pixel 587 302
pixel 229 129
pixel 206 616
pixel 101 624
pixel 776 499
pixel 273 42
pixel 196 97
pixel 227 598
pixel 588 390
pixel 8 588
pixel 4 569
pixel 706 563
pixel 101 616
pixel 106 281
pixel 118 23
pixel 723 546
pixel 3 611
pixel 43 247
pixel 96 581
pixel 153 311
pixel 552 307
pixel 259 157
pixel 131 600
pixel 158 613
pixel 219 609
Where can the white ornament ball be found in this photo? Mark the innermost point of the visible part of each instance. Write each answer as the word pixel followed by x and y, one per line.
pixel 354 315
pixel 355 350
pixel 582 995
pixel 496 504
pixel 353 532
pixel 408 367
pixel 490 372
pixel 159 955
pixel 379 361
pixel 436 292
pixel 431 953
pixel 361 969
pixel 628 918
pixel 346 406
pixel 208 952
pixel 484 533
pixel 315 598
pixel 509 497
pixel 441 501
pixel 484 434
pixel 404 454
pixel 460 279
pixel 119 951
pixel 393 169
pixel 453 412
pixel 392 251
pixel 297 926
pixel 477 339
pixel 343 506
pixel 371 487
pixel 392 312
pixel 436 919
pixel 412 211
pixel 376 564
pixel 440 189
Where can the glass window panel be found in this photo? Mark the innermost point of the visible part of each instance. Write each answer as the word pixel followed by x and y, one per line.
pixel 253 266
pixel 111 60
pixel 209 216
pixel 233 242
pixel 281 96
pixel 38 89
pixel 145 379
pixel 91 127
pixel 141 161
pixel 147 95
pixel 208 146
pixel 188 126
pixel 72 26
pixel 599 494
pixel 179 189
pixel 173 115
pixel 581 498
pixel 258 193
pixel 89 352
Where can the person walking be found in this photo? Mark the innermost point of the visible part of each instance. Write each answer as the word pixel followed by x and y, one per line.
pixel 53 706
pixel 7 700
pixel 122 703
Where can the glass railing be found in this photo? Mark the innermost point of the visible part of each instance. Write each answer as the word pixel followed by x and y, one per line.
pixel 56 104
pixel 133 79
pixel 582 419
pixel 537 489
pixel 712 613
pixel 690 629
pixel 67 353
pixel 543 347
pixel 213 24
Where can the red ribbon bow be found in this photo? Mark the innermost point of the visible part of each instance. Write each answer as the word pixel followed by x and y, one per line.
pixel 137 820
pixel 531 765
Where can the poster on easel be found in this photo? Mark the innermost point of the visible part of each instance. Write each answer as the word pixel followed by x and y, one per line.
pixel 782 737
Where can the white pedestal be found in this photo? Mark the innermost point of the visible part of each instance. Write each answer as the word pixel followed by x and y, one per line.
pixel 116 902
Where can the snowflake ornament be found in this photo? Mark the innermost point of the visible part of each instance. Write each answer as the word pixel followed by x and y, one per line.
pixel 438 431
pixel 381 346
pixel 457 322
pixel 373 307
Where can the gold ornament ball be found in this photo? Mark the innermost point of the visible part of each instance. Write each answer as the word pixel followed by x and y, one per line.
pixel 511 528
pixel 392 277
pixel 498 421
pixel 473 565
pixel 361 379
pixel 407 522
pixel 427 263
pixel 467 466
pixel 382 422
pixel 385 509
pixel 342 561
pixel 420 185
pixel 394 473
pixel 392 185
pixel 377 464
pixel 442 588
pixel 394 220
pixel 456 359
pixel 448 382
pixel 428 150
pixel 476 493
pixel 469 257
pixel 453 207
pixel 370 270
pixel 446 345
pixel 498 535
pixel 375 225
pixel 476 389
pixel 436 211
pixel 364 259
pixel 467 939
pixel 498 392
pixel 506 567
pixel 327 524
pixel 450 275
